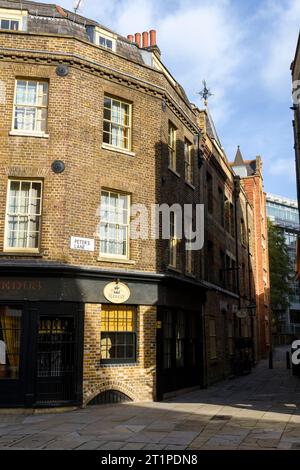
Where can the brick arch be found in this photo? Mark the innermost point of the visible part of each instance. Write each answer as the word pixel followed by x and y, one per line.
pixel 110 386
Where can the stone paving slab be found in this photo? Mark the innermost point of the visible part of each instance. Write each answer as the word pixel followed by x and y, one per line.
pixel 258 411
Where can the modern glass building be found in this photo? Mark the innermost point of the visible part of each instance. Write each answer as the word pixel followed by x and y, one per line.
pixel 284 213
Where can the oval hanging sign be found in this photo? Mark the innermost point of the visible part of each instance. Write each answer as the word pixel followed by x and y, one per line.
pixel 242 314
pixel 116 292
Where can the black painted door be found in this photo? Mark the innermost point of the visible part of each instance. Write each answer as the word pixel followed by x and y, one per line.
pixel 179 351
pixel 58 352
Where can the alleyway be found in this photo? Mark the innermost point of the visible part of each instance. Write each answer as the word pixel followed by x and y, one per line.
pixel 258 411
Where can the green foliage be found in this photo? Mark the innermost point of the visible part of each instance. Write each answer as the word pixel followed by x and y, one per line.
pixel 280 269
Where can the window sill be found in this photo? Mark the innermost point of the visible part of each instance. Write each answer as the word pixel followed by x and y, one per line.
pixel 190 185
pixel 173 268
pixel 111 148
pixel 191 275
pixel 115 260
pixel 174 171
pixel 39 135
pixel 33 254
pixel 119 364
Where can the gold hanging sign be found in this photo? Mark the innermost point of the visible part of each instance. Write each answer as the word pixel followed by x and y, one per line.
pixel 116 292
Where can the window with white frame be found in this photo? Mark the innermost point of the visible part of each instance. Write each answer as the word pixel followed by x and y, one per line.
pixel 172 146
pixel 114 225
pixel 188 161
pixel 117 123
pixel 173 242
pixel 105 42
pixel 31 106
pixel 23 215
pixel 9 24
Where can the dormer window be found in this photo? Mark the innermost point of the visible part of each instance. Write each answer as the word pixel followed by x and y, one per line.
pixel 105 39
pixel 11 25
pixel 13 20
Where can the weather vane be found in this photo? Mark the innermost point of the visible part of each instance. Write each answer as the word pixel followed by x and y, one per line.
pixel 205 93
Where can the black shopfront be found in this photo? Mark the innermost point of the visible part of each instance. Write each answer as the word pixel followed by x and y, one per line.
pixel 42 331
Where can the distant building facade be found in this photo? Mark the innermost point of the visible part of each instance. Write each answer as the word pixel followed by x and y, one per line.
pixel 250 173
pixel 284 213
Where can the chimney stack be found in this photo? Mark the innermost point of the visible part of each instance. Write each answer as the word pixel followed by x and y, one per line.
pixel 152 38
pixel 145 39
pixel 138 39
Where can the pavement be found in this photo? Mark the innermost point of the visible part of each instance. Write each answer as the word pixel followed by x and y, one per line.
pixel 259 411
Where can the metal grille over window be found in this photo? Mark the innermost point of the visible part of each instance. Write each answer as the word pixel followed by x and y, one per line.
pixel 117 123
pixel 118 334
pixel 24 209
pixel 31 106
pixel 114 225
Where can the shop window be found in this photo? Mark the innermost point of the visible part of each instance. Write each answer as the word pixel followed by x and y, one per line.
pixel 168 336
pixel 118 334
pixel 10 339
pixel 230 338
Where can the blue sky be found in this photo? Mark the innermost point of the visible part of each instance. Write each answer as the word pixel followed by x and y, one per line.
pixel 243 48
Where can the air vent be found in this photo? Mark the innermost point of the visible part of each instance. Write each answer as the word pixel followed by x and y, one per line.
pixel 108 397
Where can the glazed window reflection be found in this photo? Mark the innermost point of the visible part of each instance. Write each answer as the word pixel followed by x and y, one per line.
pixel 10 339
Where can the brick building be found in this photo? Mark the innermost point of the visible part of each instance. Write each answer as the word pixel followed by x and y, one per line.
pixel 91 124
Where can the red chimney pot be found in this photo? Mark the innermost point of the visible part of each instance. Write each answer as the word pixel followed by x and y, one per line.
pixel 152 37
pixel 130 37
pixel 145 39
pixel 138 38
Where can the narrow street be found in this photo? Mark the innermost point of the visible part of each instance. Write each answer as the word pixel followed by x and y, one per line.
pixel 258 411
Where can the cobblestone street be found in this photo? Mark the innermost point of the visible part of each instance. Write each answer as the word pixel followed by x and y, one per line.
pixel 258 411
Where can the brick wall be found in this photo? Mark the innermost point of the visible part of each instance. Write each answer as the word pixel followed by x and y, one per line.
pixel 138 381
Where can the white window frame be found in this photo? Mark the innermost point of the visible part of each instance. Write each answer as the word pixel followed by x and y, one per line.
pixel 108 36
pixel 26 249
pixel 126 226
pixel 34 132
pixel 11 20
pixel 172 142
pixel 129 127
pixel 188 162
pixel 14 15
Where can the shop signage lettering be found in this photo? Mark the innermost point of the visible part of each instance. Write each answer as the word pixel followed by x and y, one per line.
pixel 116 292
pixel 9 285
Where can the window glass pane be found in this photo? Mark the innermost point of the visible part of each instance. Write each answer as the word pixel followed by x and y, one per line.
pixel 117 333
pixel 10 339
pixel 4 24
pixel 109 44
pixel 14 26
